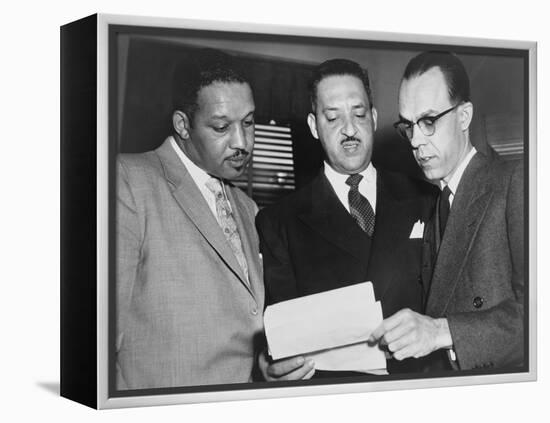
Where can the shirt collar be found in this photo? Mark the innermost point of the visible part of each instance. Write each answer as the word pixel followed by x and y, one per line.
pixel 369 175
pixel 457 175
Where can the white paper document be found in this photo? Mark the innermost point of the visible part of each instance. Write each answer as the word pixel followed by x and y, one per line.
pixel 330 327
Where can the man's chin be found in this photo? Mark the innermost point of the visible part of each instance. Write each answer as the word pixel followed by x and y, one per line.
pixel 352 167
pixel 432 175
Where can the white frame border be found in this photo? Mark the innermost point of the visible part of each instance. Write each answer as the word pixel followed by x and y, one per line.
pixel 103 401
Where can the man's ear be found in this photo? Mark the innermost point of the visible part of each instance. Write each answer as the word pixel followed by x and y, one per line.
pixel 466 115
pixel 181 124
pixel 312 123
pixel 374 117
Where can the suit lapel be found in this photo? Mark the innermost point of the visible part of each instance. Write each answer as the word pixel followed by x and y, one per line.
pixel 193 204
pixel 393 226
pixel 469 206
pixel 429 253
pixel 328 217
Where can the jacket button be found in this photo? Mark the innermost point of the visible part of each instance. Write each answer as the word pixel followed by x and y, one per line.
pixel 478 302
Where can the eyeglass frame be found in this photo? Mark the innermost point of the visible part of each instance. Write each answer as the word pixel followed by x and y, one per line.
pixel 433 119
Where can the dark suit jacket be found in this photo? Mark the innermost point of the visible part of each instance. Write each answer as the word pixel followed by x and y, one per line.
pixel 311 244
pixel 477 273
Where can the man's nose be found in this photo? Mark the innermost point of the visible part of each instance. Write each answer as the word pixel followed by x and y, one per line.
pixel 417 137
pixel 238 139
pixel 349 129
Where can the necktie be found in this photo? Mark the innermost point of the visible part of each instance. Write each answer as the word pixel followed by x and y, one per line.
pixel 227 223
pixel 444 209
pixel 359 206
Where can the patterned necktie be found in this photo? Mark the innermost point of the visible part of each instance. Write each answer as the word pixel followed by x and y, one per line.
pixel 444 209
pixel 227 223
pixel 359 206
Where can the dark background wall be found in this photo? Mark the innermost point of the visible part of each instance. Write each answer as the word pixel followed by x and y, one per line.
pixel 279 69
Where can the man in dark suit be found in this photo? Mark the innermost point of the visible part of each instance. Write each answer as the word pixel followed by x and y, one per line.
pixel 352 223
pixel 473 270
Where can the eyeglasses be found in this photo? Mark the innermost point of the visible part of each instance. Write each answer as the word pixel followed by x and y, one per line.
pixel 426 124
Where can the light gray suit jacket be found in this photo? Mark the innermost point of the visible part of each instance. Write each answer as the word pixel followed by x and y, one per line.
pixel 185 314
pixel 477 272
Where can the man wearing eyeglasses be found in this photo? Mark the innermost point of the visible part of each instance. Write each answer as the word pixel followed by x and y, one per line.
pixel 473 259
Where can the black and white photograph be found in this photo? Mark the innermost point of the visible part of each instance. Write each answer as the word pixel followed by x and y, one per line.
pixel 298 210
pixel 284 212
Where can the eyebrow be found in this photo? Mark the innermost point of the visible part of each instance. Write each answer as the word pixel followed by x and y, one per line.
pixel 427 113
pixel 335 109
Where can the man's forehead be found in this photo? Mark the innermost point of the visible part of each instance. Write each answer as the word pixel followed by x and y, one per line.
pixel 427 91
pixel 334 87
pixel 220 97
pixel 330 81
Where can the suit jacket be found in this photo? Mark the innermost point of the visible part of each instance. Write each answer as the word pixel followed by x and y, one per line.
pixel 185 314
pixel 477 271
pixel 310 243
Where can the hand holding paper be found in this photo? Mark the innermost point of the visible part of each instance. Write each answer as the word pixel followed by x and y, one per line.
pixel 292 368
pixel 330 327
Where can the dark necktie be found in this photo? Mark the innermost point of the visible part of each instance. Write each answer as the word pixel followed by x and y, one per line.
pixel 359 206
pixel 444 209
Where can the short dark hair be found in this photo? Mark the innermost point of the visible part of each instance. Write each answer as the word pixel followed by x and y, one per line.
pixel 458 83
pixel 198 70
pixel 335 67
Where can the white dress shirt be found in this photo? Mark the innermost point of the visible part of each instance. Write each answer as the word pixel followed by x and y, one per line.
pixel 367 186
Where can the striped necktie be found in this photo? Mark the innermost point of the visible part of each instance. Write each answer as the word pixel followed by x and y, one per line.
pixel 359 206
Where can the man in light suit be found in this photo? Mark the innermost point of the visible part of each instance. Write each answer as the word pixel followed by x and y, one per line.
pixel 473 270
pixel 189 289
pixel 317 240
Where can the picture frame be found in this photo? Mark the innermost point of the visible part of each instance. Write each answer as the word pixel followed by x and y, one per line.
pixel 100 110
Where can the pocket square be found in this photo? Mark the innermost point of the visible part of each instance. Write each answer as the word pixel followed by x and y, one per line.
pixel 417 230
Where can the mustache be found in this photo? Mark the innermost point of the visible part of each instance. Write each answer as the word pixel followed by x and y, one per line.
pixel 239 154
pixel 350 138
